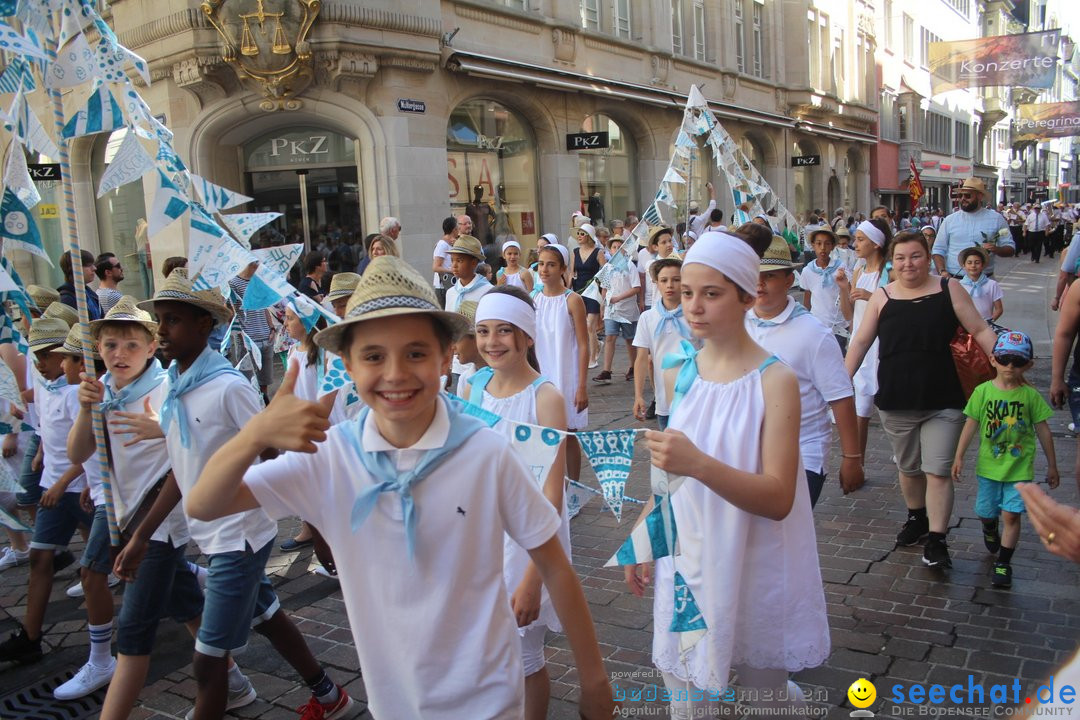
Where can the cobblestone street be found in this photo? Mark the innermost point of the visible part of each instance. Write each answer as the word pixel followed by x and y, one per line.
pixel 892 620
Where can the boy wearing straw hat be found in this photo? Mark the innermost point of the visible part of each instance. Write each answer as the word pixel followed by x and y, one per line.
pixel 341 287
pixel 60 513
pixel 207 401
pixel 420 495
pixel 465 255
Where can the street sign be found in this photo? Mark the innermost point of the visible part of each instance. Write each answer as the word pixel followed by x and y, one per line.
pixel 411 106
pixel 805 160
pixel 44 171
pixel 587 141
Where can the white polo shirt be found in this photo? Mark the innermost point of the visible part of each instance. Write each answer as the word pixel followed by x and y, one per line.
pixel 810 350
pixel 434 633
pixel 659 348
pixel 57 411
pixel 216 411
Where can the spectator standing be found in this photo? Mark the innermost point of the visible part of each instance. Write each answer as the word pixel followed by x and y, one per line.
pixel 109 273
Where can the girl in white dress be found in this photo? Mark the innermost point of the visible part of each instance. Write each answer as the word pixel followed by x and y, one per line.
pixel 514 274
pixel 745 591
pixel 871 238
pixel 563 344
pixel 513 388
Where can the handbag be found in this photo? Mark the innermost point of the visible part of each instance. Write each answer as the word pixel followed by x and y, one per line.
pixel 972 365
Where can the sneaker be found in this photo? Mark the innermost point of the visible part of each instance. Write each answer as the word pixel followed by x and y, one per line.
pixel 630 374
pixel 594 364
pixel 76 590
pixel 936 554
pixel 19 648
pixel 992 539
pixel 650 414
pixel 316 710
pixel 1002 575
pixel 242 696
pixel 914 530
pixel 89 679
pixel 321 570
pixel 13 558
pixel 604 378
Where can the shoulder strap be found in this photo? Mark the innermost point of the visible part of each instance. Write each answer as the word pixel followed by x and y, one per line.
pixel 477 383
pixel 686 360
pixel 537 289
pixel 944 284
pixel 768 361
pixel 538 382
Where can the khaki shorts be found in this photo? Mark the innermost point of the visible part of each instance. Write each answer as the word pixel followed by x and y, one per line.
pixel 923 441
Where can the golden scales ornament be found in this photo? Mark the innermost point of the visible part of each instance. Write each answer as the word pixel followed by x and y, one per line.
pixel 248 47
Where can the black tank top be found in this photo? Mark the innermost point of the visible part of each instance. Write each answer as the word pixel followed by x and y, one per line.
pixel 586 269
pixel 916 369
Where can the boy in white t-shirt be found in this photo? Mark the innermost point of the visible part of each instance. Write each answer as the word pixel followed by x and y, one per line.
pixel 818 281
pixel 414 498
pixel 621 290
pixel 984 290
pixel 661 245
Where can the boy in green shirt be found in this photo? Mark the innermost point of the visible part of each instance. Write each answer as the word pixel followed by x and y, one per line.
pixel 1009 414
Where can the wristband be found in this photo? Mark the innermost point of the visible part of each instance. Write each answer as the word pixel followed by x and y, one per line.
pixel 854 455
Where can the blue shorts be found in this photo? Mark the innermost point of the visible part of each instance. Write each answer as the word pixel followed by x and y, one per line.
pixel 30 479
pixel 614 328
pixel 662 421
pixel 815 481
pixel 995 496
pixel 164 587
pixel 1074 395
pixel 55 526
pixel 96 555
pixel 239 597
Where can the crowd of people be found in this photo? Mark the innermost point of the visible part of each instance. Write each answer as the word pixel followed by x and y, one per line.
pixel 765 331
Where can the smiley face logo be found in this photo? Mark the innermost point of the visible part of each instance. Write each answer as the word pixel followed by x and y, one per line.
pixel 862 693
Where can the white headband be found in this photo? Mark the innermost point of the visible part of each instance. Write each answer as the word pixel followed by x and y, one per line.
pixel 562 251
pixel 727 254
pixel 510 244
pixel 552 238
pixel 504 307
pixel 871 231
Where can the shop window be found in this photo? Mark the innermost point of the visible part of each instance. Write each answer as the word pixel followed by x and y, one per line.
pixel 121 221
pixel 606 175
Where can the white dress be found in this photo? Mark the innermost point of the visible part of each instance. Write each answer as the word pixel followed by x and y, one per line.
pixel 557 351
pixel 515 279
pixel 865 380
pixel 756 581
pixel 522 407
pixel 307 380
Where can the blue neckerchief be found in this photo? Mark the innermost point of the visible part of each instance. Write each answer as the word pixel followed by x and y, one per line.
pixel 55 385
pixel 672 318
pixel 826 273
pixel 477 383
pixel 206 367
pixel 796 311
pixel 387 478
pixel 153 376
pixel 974 286
pixel 688 370
pixel 463 290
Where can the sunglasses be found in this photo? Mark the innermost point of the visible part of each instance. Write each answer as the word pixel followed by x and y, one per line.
pixel 1011 360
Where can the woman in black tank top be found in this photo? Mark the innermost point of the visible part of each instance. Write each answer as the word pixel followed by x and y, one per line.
pixel 588 259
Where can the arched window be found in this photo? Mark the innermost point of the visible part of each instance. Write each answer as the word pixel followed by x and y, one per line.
pixel 121 220
pixel 491 169
pixel 606 175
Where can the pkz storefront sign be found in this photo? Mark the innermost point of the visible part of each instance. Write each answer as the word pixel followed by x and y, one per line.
pixel 299 147
pixel 587 141
pixel 805 160
pixel 44 171
pixel 411 106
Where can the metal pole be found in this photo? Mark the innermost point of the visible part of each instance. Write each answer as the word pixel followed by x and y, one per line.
pixel 304 210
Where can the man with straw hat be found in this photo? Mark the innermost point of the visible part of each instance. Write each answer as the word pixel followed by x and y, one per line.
pixel 60 513
pixel 207 402
pixel 415 522
pixel 972 224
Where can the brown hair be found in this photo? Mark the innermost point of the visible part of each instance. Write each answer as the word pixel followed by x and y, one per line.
pixel 661 263
pixel 549 248
pixel 170 264
pixel 756 235
pixel 906 237
pixel 513 291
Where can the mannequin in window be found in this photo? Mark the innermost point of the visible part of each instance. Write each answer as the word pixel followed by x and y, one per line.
pixel 482 215
pixel 596 209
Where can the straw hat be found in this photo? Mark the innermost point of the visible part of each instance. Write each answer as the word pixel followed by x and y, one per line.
pixel 777 256
pixel 468 311
pixel 47 331
pixel 177 288
pixel 811 232
pixel 974 250
pixel 73 345
pixel 60 311
pixel 466 245
pixel 126 309
pixel 843 232
pixel 42 296
pixel 342 285
pixel 974 184
pixel 390 287
pixel 656 232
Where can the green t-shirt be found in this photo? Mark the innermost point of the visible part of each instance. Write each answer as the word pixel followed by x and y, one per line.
pixel 1007 420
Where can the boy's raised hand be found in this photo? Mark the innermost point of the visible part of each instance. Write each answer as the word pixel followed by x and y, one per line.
pixel 141 426
pixel 289 422
pixel 91 391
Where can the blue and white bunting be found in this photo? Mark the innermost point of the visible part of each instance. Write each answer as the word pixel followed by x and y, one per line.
pixel 25 126
pixel 76 16
pixel 169 205
pixel 334 377
pixel 610 453
pixel 214 257
pixel 140 115
pixel 15 43
pixel 113 60
pixel 538 447
pixel 17 176
pixel 75 64
pixel 279 259
pixel 215 197
pixel 17 77
pixel 101 114
pixel 129 164
pixel 17 226
pixel 244 225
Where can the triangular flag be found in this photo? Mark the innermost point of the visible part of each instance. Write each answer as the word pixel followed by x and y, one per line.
pixel 278 259
pixel 129 164
pixel 686 617
pixel 334 377
pixel 112 60
pixel 576 499
pixel 672 175
pixel 9 389
pixel 592 291
pixel 9 521
pixel 610 453
pixel 215 257
pixel 538 447
pixel 226 339
pixel 648 541
pixel 101 114
pixel 252 349
pixel 169 160
pixel 17 226
pixel 17 176
pixel 7 284
pixel 140 115
pixel 15 44
pixel 7 8
pixel 75 64
pixel 245 365
pixel 169 205
pixel 24 125
pixel 76 16
pixel 17 77
pixel 244 225
pixel 215 197
pixel 260 295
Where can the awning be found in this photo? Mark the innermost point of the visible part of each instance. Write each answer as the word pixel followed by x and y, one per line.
pixel 488 66
pixel 835 133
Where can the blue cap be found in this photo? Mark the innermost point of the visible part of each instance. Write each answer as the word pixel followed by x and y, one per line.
pixel 1014 343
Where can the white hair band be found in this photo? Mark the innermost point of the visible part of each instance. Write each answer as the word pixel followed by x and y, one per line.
pixel 504 307
pixel 562 251
pixel 728 254
pixel 510 244
pixel 871 231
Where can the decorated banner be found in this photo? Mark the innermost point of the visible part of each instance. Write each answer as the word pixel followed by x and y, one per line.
pixel 15 44
pixel 686 618
pixel 215 197
pixel 278 259
pixel 656 536
pixel 17 227
pixel 610 453
pixel 538 447
pixel 24 125
pixel 334 377
pixel 17 176
pixel 244 225
pixel 101 114
pixel 10 522
pixel 915 186
pixel 129 164
pixel 576 499
pixel 17 77
pixel 1048 120
pixel 169 205
pixel 9 388
pixel 1023 60
pixel 75 64
pixel 215 257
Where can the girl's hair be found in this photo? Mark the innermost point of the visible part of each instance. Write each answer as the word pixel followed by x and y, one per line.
pixel 387 244
pixel 513 291
pixel 555 252
pixel 756 235
pixel 312 348
pixel 906 237
pixel 170 264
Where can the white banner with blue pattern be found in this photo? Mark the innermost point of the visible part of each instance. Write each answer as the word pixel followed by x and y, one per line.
pixel 129 164
pixel 610 453
pixel 169 204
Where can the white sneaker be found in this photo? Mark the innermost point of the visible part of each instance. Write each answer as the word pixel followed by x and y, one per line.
pixel 320 570
pixel 76 590
pixel 235 699
pixel 11 558
pixel 87 680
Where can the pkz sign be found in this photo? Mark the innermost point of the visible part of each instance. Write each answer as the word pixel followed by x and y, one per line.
pixel 805 160
pixel 44 171
pixel 587 141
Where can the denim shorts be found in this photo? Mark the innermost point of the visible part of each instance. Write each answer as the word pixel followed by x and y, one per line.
pixel 614 328
pixel 995 496
pixel 662 421
pixel 164 587
pixel 55 526
pixel 96 555
pixel 30 479
pixel 239 597
pixel 1074 395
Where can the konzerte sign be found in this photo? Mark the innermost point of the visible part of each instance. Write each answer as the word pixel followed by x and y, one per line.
pixel 1025 60
pixel 1050 120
